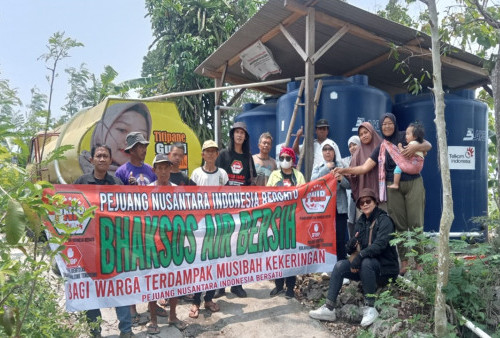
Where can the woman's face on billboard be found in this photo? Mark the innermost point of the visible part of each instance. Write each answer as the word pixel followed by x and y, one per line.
pixel 128 122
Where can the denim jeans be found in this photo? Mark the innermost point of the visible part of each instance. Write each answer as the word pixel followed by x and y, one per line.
pixel 122 313
pixel 124 317
pixel 369 274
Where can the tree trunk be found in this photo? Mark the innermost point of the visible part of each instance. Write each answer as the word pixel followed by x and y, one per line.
pixel 447 216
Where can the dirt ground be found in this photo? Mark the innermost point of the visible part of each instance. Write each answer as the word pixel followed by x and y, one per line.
pixel 258 315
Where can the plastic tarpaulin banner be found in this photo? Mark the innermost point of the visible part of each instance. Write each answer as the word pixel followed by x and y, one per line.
pixel 147 243
pixel 257 59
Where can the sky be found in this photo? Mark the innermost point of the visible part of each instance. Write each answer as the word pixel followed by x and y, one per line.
pixel 114 32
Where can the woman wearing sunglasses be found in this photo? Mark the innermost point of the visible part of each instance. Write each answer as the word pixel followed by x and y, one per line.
pixel 330 162
pixel 285 176
pixel 373 260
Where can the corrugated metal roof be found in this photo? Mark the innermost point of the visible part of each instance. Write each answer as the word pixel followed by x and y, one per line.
pixel 369 38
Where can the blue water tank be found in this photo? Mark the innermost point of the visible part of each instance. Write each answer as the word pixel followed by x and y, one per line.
pixel 259 118
pixel 344 102
pixel 467 134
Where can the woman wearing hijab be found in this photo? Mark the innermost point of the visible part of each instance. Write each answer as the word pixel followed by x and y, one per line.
pixel 370 140
pixel 330 162
pixel 353 144
pixel 116 123
pixel 406 205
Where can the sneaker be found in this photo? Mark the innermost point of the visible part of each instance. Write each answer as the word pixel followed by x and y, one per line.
pixel 370 314
pixel 289 294
pixel 238 291
pixel 276 291
pixel 323 313
pixel 346 281
pixel 220 293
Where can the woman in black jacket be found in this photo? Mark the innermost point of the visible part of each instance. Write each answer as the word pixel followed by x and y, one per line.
pixel 373 260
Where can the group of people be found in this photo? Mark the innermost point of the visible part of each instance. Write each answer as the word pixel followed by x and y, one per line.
pixel 385 197
pixel 384 177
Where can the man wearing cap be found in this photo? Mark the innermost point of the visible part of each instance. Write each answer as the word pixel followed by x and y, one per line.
pixel 100 157
pixel 322 130
pixel 135 171
pixel 162 166
pixel 264 164
pixel 237 161
pixel 207 175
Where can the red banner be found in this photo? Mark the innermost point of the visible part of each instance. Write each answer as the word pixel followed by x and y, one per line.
pixel 146 243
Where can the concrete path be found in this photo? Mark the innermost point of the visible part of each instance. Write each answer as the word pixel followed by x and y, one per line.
pixel 258 315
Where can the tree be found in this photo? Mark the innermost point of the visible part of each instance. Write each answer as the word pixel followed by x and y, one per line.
pixel 398 13
pixel 440 319
pixel 58 49
pixel 186 32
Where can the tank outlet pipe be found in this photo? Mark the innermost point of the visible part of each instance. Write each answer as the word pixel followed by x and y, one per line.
pixel 221 89
pixel 229 108
pixel 468 324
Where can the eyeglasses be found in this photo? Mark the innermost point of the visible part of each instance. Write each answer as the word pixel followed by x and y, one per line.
pixel 387 124
pixel 328 149
pixel 285 158
pixel 366 201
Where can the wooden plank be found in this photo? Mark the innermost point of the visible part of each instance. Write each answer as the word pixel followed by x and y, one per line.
pixel 449 61
pixel 333 40
pixel 364 34
pixel 293 42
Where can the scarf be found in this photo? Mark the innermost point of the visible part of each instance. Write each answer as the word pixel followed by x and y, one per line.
pixel 410 166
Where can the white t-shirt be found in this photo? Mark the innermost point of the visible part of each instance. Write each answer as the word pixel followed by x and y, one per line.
pixel 205 178
pixel 155 183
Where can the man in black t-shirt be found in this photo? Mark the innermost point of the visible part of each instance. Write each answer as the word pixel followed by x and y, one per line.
pixel 100 157
pixel 176 155
pixel 237 161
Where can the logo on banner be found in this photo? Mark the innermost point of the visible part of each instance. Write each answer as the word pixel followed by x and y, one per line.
pixel 462 158
pixel 76 203
pixel 236 167
pixel 74 255
pixel 315 230
pixel 316 198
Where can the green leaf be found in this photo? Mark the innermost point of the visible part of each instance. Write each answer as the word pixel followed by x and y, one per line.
pixel 15 222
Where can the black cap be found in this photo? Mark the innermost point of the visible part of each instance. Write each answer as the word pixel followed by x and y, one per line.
pixel 322 123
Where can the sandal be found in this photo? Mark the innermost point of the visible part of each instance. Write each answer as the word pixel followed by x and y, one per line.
pixel 213 307
pixel 194 312
pixel 153 329
pixel 161 312
pixel 137 320
pixel 179 324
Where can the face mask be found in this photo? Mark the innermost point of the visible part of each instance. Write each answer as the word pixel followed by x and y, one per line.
pixel 285 164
